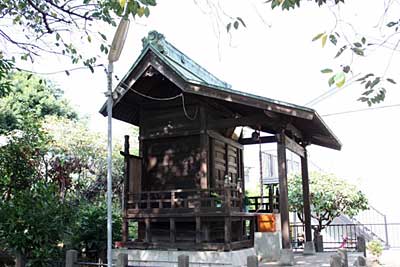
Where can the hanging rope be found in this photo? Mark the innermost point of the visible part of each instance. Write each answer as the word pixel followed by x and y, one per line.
pixel 185 112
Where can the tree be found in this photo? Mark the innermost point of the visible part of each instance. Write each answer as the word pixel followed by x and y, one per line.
pixel 30 98
pixel 330 197
pixel 46 153
pixel 33 223
pixel 45 27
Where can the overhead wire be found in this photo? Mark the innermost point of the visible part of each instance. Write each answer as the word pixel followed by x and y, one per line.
pixel 330 93
pixel 360 110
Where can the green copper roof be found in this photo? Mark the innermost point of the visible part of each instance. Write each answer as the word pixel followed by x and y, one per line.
pixel 190 70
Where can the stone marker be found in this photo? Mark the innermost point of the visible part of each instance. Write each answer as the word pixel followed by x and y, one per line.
pixel 360 262
pixel 71 258
pixel 342 252
pixel 309 248
pixel 252 261
pixel 361 247
pixel 336 260
pixel 286 258
pixel 183 261
pixel 122 260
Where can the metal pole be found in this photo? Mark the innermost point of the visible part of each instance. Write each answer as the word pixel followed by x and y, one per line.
pixel 386 232
pixel 109 164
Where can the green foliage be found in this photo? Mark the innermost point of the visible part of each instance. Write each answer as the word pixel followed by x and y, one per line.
pixel 5 68
pixel 31 98
pixel 44 24
pixel 52 176
pixel 375 248
pixel 88 232
pixel 292 4
pixel 20 155
pixel 33 223
pixel 330 198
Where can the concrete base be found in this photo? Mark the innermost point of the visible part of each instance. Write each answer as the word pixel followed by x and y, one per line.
pixel 169 258
pixel 268 245
pixel 286 258
pixel 309 248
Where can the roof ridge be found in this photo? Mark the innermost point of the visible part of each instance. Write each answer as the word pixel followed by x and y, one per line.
pixel 170 52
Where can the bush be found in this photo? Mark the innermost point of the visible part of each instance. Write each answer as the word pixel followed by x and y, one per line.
pixel 375 248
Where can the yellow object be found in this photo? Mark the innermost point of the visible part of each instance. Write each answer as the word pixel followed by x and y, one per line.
pixel 266 223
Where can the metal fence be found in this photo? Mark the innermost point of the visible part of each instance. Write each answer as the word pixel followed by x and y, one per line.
pixel 345 235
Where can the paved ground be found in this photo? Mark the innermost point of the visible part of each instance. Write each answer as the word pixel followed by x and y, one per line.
pixel 389 258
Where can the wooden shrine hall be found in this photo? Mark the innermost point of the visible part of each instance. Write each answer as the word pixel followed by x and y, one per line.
pixel 185 189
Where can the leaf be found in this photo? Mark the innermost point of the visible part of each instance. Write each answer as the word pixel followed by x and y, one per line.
pixel 375 82
pixel 67 72
pixel 29 76
pixel 341 50
pixel 333 39
pixel 331 80
pixel 140 12
pixel 228 27
pixel 346 69
pixel 236 25
pixel 241 21
pixel 103 36
pixel 391 80
pixel 357 44
pixel 391 24
pixel 146 12
pixel 358 51
pixel 363 40
pixel 122 3
pixel 327 71
pixel 317 36
pixel 340 79
pixel 324 38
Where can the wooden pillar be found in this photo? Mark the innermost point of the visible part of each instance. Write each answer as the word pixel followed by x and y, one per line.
pixel 283 188
pixel 204 145
pixel 306 196
pixel 147 230
pixel 125 231
pixel 198 230
pixel 172 230
pixel 228 232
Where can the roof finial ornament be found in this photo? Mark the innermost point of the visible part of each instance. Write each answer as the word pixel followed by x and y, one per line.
pixel 155 39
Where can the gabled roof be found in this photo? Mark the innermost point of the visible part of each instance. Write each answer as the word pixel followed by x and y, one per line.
pixel 191 78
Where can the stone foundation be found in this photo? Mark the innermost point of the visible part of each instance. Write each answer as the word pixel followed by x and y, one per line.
pixel 169 258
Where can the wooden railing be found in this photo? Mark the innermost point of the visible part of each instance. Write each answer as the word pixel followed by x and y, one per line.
pixel 265 204
pixel 197 199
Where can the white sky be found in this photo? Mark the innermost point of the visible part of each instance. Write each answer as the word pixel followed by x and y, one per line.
pixel 274 57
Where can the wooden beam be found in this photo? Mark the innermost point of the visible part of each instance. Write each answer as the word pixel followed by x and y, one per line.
pixel 235 122
pixel 293 146
pixel 221 138
pixel 263 140
pixel 306 196
pixel 236 97
pixel 283 188
pixel 295 132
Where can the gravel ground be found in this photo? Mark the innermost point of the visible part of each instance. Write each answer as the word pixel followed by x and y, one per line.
pixel 389 258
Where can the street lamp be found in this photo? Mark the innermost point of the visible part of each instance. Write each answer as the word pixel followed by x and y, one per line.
pixel 113 56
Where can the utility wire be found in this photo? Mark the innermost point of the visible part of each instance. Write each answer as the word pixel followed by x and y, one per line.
pixel 360 110
pixel 331 92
